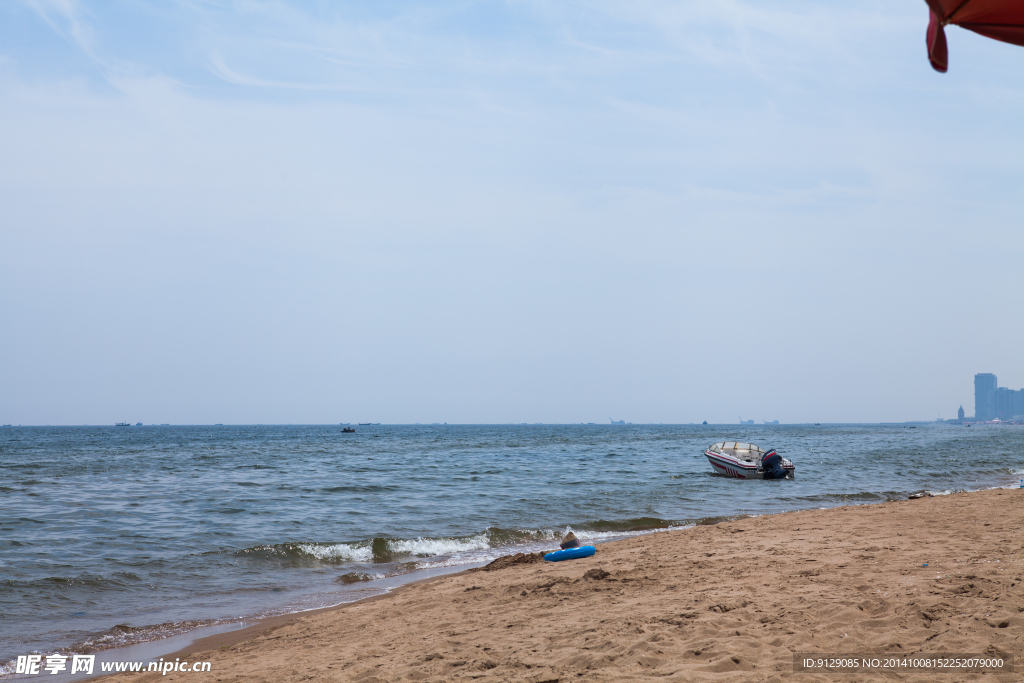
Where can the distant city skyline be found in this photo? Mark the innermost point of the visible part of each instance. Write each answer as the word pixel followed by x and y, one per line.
pixel 992 401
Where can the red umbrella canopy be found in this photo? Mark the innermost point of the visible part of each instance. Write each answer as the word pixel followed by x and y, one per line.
pixel 999 19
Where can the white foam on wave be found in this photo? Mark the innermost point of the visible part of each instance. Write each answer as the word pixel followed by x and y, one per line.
pixel 338 551
pixel 466 558
pixel 419 547
pixel 352 578
pixel 603 536
pixel 453 552
pixel 428 547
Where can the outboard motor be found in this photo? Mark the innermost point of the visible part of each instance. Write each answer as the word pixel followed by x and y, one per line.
pixel 771 463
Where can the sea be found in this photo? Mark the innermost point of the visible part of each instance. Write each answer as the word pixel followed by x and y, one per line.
pixel 111 536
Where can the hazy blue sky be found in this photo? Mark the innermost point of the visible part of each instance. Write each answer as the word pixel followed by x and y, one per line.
pixel 461 211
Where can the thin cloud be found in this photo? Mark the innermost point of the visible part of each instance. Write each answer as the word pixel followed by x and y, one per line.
pixel 65 17
pixel 221 70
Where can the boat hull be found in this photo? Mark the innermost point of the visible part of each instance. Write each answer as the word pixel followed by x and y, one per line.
pixel 738 469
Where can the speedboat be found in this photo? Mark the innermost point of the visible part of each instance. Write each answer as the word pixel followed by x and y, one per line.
pixel 748 461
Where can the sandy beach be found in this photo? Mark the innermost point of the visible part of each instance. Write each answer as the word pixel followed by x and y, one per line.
pixel 728 602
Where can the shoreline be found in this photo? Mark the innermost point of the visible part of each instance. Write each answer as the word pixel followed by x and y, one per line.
pixel 326 558
pixel 255 626
pixel 238 630
pixel 265 624
pixel 666 585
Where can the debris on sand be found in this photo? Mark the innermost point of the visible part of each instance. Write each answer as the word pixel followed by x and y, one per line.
pixel 512 561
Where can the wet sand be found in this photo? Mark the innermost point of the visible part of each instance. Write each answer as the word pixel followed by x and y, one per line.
pixel 730 602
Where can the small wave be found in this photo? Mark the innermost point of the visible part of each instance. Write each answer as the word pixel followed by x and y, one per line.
pixel 711 521
pixel 857 496
pixel 428 547
pixel 357 577
pixel 292 554
pixel 867 496
pixel 122 635
pixel 475 558
pixel 633 524
pixel 338 552
pixel 115 581
pixel 374 550
pixel 498 537
pixel 360 489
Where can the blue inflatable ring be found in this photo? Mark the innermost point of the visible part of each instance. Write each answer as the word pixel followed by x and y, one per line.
pixel 571 554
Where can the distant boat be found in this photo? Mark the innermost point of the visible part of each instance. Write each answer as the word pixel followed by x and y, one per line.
pixel 123 424
pixel 773 422
pixel 348 430
pixel 746 422
pixel 705 422
pixel 165 424
pixel 617 422
pixel 138 424
pixel 219 424
pixel 364 424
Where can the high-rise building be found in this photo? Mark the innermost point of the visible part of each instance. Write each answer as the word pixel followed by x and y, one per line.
pixel 1003 400
pixel 992 401
pixel 960 414
pixel 1009 403
pixel 984 396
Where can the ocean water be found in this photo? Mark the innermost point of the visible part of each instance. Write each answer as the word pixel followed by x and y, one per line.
pixel 116 535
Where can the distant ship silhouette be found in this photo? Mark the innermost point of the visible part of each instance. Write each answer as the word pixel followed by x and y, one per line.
pixel 617 422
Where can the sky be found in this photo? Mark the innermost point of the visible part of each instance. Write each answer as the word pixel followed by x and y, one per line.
pixel 492 212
